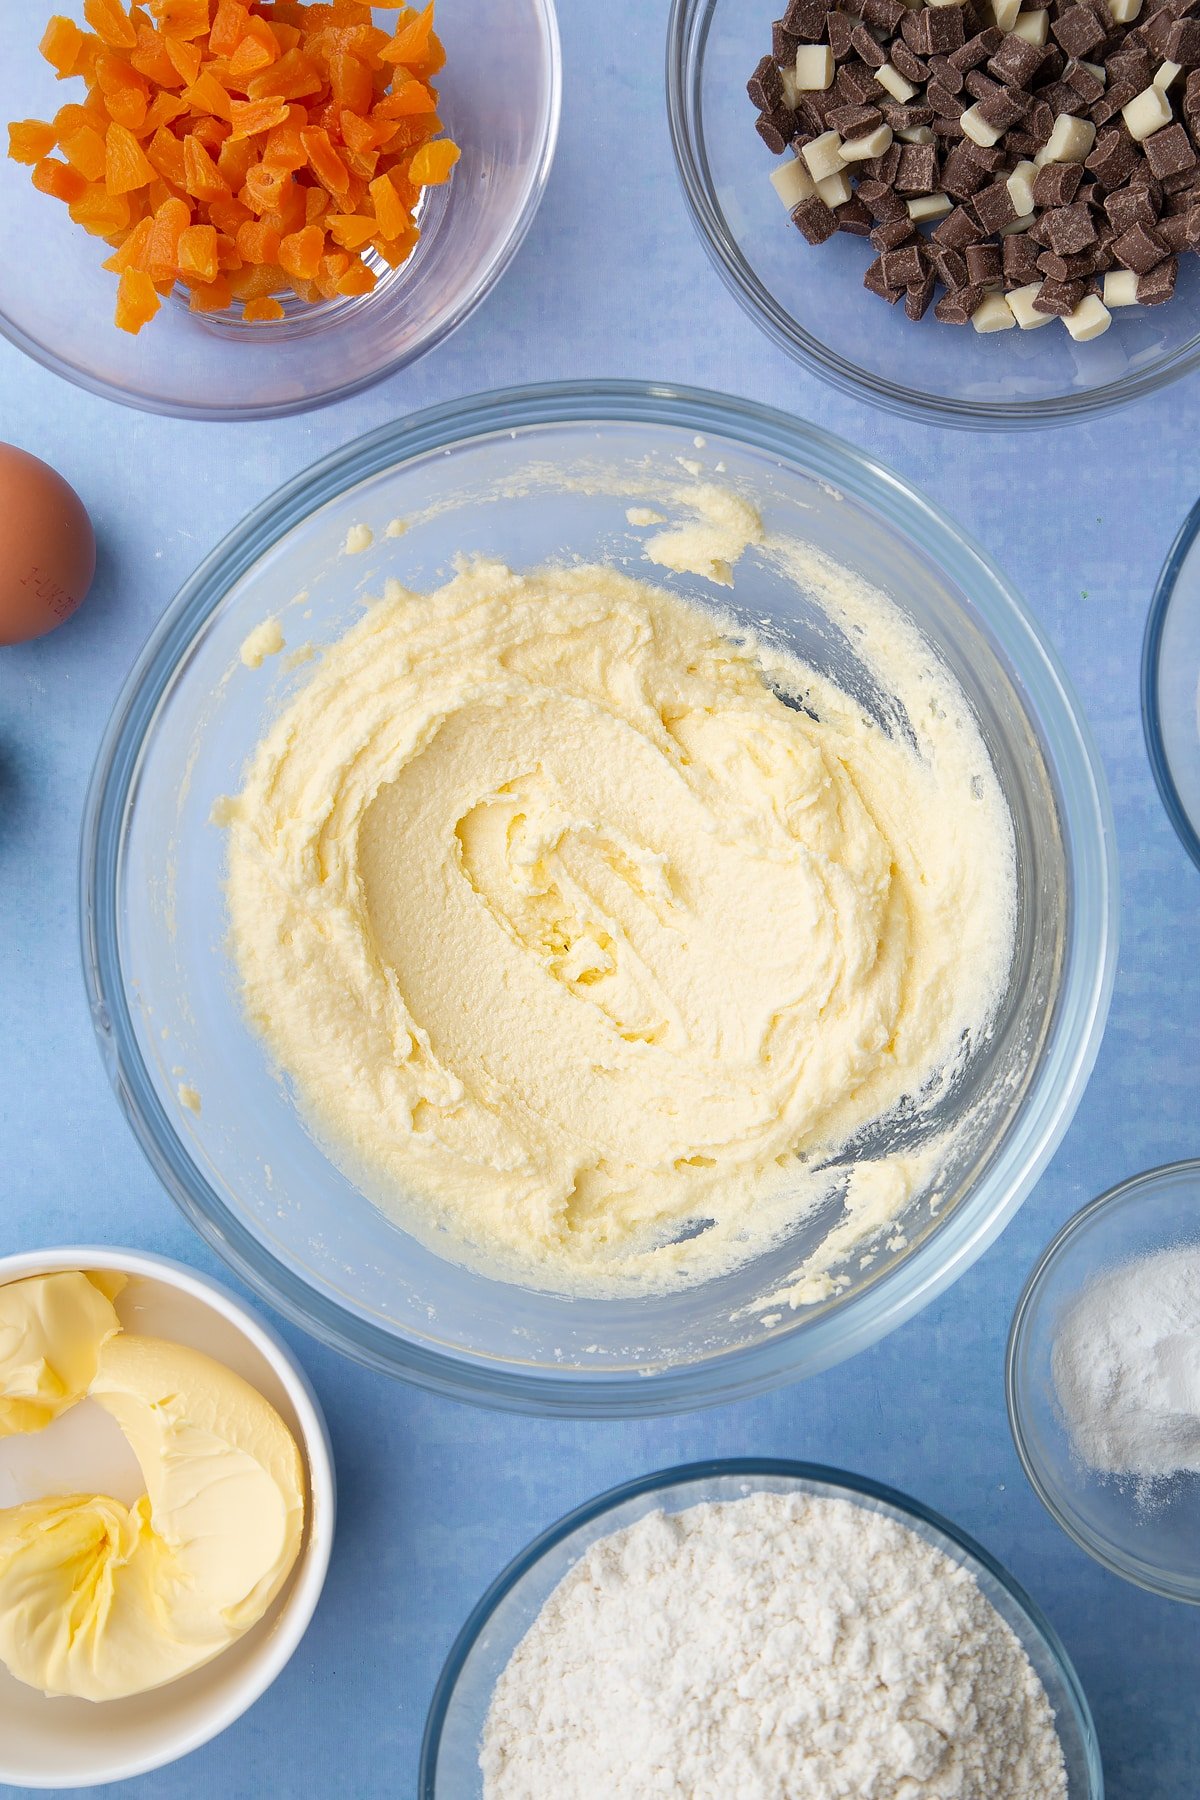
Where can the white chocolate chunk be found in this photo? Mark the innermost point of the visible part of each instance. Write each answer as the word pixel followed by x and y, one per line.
pixel 1090 318
pixel 814 68
pixel 835 190
pixel 872 143
pixel 993 314
pixel 1098 70
pixel 929 206
pixel 1020 188
pixel 1120 288
pixel 824 155
pixel 791 93
pixel 1005 13
pixel 894 82
pixel 1146 113
pixel 1168 73
pixel 1020 304
pixel 978 129
pixel 1124 12
pixel 916 134
pixel 1015 225
pixel 1033 27
pixel 1071 140
pixel 792 182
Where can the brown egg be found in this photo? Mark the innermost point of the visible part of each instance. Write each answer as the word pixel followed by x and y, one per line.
pixel 47 547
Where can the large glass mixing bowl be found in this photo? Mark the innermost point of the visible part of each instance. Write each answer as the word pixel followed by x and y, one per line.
pixel 535 475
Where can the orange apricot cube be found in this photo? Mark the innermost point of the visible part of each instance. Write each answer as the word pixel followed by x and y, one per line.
pixel 196 254
pixel 59 180
pixel 358 279
pixel 262 312
pixel 137 301
pixel 181 18
pixel 126 165
pixel 168 157
pixel 201 176
pixel 300 252
pixel 186 57
pixel 390 216
pixel 62 45
pixel 216 297
pixel 101 213
pixel 171 220
pixel 433 162
pixel 249 118
pixel 85 150
pixel 29 140
pixel 350 231
pixel 229 22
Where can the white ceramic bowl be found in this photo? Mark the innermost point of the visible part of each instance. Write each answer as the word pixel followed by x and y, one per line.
pixel 61 1743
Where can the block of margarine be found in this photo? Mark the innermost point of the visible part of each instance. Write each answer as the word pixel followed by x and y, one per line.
pixel 52 1329
pixel 100 1600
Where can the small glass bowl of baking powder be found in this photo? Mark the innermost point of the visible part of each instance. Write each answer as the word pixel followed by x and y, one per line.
pixel 1103 1380
pixel 1171 684
pixel 454 1730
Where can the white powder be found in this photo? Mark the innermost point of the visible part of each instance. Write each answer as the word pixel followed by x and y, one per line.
pixel 778 1647
pixel 1126 1366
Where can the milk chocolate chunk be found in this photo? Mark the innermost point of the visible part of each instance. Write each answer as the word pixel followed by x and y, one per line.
pixel 1130 206
pixel 865 44
pixel 902 267
pixel 1065 229
pixel 816 220
pixel 806 19
pixel 1078 31
pixel 958 229
pixel 993 207
pixel 1067 268
pixel 976 50
pixel 765 86
pixel 874 282
pixel 962 175
pixel 1169 152
pixel 1113 158
pixel 853 121
pixel 1060 297
pixel 984 264
pixel 783 44
pixel 951 266
pixel 918 170
pixel 776 130
pixel 1084 79
pixel 1015 62
pixel 884 15
pixel 903 57
pixel 934 30
pixel 1139 248
pixel 1055 184
pixel 893 233
pixel 1158 284
pixel 956 307
pixel 1019 258
pixel 854 217
pixel 839 30
pixel 919 294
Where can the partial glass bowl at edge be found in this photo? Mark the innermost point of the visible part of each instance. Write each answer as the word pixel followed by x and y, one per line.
pixel 812 302
pixel 1150 1537
pixel 449 1755
pixel 528 475
pixel 1171 685
pixel 499 98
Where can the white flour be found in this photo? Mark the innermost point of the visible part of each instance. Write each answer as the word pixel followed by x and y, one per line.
pixel 1126 1367
pixel 778 1647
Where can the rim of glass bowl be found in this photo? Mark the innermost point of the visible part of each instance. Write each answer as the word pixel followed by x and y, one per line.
pixel 1156 622
pixel 767 1468
pixel 687 35
pixel 1128 1569
pixel 1089 958
pixel 466 304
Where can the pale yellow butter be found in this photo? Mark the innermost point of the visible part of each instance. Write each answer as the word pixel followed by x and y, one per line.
pixel 52 1329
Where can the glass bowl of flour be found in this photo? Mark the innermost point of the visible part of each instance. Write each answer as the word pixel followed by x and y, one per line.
pixel 1104 1380
pixel 598 899
pixel 757 1626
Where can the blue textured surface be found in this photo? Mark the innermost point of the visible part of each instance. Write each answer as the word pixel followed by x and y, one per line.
pixel 435 1498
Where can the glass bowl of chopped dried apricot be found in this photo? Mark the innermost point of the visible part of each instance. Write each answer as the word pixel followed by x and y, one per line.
pixel 242 208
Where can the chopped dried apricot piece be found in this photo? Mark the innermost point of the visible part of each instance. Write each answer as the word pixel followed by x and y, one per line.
pixel 433 162
pixel 201 176
pixel 251 118
pixel 216 297
pixel 182 18
pixel 229 22
pixel 137 301
pixel 300 252
pixel 261 312
pixel 101 213
pixel 62 45
pixel 358 279
pixel 390 217
pixel 256 51
pixel 350 231
pixel 126 165
pixel 258 242
pixel 29 140
pixel 325 162
pixel 168 156
pixel 85 150
pixel 186 57
pixel 197 254
pixel 162 246
pixel 59 179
